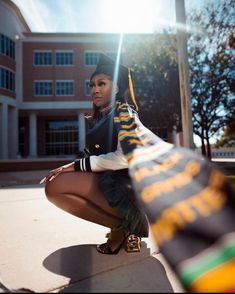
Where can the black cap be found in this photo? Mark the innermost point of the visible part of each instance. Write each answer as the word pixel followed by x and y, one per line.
pixel 106 66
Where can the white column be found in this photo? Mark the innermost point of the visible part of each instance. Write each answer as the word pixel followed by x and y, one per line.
pixel 19 71
pixel 33 135
pixel 13 130
pixel 4 131
pixel 175 136
pixel 81 131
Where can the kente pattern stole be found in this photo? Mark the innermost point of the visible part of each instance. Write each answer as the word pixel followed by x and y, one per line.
pixel 189 203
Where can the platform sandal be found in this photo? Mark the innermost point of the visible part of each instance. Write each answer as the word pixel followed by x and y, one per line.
pixel 133 243
pixel 117 239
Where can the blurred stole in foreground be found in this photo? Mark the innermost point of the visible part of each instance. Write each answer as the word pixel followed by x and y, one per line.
pixel 189 203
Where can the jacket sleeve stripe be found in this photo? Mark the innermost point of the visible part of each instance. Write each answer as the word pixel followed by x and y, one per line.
pixel 82 164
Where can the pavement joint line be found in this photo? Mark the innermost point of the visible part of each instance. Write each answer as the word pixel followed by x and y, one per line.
pixel 56 289
pixel 99 273
pixel 20 200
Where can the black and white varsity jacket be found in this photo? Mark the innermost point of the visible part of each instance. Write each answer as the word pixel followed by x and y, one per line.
pixel 103 150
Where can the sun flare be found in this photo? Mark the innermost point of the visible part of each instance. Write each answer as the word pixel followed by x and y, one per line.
pixel 128 16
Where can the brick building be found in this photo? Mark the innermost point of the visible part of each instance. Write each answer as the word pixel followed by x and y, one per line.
pixel 44 93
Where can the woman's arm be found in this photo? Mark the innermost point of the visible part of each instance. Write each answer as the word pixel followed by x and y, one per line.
pixel 55 172
pixel 110 161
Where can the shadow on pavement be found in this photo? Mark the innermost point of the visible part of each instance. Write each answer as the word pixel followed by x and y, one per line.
pixel 90 271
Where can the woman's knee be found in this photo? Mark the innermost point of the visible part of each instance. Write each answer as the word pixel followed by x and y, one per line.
pixel 51 191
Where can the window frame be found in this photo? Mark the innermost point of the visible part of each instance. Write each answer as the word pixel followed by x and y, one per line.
pixel 64 51
pixel 64 81
pixel 91 52
pixel 42 51
pixel 9 79
pixel 42 81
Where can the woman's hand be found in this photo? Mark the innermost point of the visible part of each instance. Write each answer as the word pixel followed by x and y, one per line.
pixel 55 172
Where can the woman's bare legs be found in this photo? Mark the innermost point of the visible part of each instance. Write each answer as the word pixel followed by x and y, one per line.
pixel 79 194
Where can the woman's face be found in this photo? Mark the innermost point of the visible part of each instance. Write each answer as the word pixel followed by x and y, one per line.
pixel 101 90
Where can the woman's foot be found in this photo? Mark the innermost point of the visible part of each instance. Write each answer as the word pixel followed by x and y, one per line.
pixel 117 239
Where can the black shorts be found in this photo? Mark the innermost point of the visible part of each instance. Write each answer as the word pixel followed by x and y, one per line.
pixel 118 191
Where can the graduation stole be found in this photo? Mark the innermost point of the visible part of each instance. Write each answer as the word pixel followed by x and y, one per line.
pixel 188 201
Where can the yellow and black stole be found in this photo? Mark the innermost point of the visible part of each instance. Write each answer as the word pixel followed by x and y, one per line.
pixel 189 203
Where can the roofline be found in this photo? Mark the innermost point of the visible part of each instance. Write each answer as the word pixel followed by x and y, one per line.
pixel 79 34
pixel 17 11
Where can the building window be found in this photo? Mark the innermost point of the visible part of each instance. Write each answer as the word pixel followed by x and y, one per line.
pixel 91 58
pixel 61 137
pixel 64 88
pixel 7 46
pixel 64 58
pixel 7 79
pixel 43 88
pixel 87 88
pixel 42 58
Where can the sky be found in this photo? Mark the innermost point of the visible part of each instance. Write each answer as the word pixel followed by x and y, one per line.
pixel 100 16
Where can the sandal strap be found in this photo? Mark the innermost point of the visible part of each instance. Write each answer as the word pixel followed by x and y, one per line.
pixel 133 243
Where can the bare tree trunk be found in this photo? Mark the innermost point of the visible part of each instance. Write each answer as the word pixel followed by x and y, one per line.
pixel 208 147
pixel 203 147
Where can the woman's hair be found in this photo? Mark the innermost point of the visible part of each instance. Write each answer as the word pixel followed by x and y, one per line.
pixel 96 114
pixel 107 67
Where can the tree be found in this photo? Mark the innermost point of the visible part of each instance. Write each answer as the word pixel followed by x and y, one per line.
pixel 227 139
pixel 153 59
pixel 211 70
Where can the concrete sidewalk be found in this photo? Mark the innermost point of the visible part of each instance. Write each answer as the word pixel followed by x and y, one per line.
pixel 44 249
pixel 19 178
